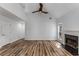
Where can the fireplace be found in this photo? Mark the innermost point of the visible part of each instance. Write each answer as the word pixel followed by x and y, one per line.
pixel 71 44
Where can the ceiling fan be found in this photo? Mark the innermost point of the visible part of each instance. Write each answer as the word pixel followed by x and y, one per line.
pixel 40 9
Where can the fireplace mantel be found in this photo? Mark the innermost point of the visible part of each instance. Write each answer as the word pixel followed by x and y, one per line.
pixel 75 33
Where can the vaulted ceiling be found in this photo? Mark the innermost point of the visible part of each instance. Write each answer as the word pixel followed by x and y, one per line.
pixel 57 10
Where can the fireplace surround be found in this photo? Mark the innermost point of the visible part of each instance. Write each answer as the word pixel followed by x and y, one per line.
pixel 71 43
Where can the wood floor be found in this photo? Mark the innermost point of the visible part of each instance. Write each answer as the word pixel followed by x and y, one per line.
pixel 33 48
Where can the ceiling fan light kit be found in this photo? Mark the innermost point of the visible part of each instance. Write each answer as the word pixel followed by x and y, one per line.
pixel 40 9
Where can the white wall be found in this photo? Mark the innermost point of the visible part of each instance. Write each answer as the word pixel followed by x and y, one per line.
pixel 40 27
pixel 70 21
pixel 10 30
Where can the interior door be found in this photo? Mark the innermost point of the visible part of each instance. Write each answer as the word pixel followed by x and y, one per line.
pixel 5 32
pixel 60 30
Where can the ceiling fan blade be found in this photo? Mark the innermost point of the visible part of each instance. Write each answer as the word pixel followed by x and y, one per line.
pixel 35 11
pixel 44 12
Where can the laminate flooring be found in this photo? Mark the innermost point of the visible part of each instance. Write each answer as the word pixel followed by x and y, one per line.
pixel 34 48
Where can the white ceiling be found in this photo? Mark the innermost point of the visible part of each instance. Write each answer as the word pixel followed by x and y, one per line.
pixel 57 10
pixel 10 15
